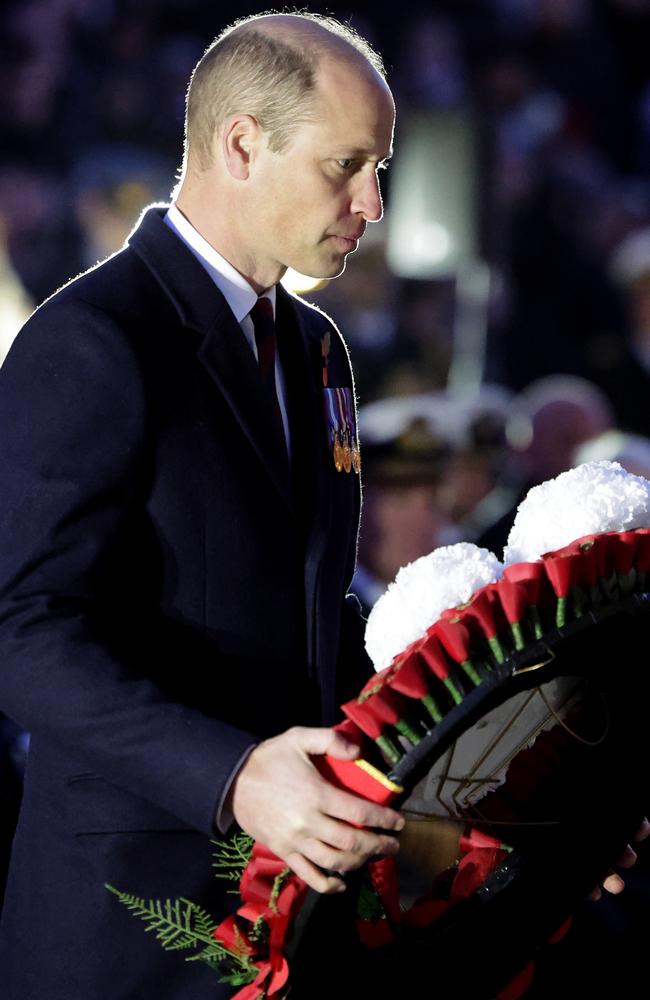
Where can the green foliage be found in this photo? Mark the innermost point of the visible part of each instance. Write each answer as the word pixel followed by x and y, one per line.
pixel 231 857
pixel 180 925
pixel 369 905
pixel 278 882
pixel 177 925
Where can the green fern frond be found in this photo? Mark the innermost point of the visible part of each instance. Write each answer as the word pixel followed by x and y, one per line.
pixel 239 972
pixel 181 925
pixel 231 856
pixel 212 955
pixel 177 925
pixel 204 922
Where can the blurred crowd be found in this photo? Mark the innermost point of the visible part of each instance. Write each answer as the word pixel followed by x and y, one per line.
pixel 557 95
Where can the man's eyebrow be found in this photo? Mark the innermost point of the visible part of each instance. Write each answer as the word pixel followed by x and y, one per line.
pixel 362 152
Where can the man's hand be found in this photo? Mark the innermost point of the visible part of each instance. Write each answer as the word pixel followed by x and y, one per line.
pixel 614 883
pixel 280 799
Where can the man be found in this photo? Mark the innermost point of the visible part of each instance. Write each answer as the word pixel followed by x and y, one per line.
pixel 176 539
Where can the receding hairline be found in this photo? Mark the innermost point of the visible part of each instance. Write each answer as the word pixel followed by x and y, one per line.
pixel 291 29
pixel 270 66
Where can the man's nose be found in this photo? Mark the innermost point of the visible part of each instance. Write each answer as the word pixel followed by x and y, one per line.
pixel 367 198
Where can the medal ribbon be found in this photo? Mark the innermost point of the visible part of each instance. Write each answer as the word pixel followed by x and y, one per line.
pixel 332 414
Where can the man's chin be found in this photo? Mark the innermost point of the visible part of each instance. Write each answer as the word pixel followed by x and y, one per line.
pixel 326 270
pixel 338 269
pixel 322 269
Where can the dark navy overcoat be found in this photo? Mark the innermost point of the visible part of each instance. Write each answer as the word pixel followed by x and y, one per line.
pixel 171 591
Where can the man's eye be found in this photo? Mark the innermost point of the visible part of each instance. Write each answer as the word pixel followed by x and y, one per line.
pixel 345 164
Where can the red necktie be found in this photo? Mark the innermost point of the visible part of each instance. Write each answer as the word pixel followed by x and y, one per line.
pixel 266 341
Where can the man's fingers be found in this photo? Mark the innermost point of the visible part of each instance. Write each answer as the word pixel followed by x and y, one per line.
pixel 280 798
pixel 332 859
pixel 327 858
pixel 627 858
pixel 643 831
pixel 359 812
pixel 313 876
pixel 354 842
pixel 614 884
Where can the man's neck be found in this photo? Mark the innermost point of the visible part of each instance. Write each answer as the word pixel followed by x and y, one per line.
pixel 238 292
pixel 217 226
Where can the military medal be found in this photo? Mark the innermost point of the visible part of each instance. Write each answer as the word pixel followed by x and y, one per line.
pixel 337 452
pixel 341 426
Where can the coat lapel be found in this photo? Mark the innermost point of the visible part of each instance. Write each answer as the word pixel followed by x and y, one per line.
pixel 223 351
pixel 309 456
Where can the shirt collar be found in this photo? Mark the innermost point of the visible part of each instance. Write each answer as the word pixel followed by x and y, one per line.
pixel 239 295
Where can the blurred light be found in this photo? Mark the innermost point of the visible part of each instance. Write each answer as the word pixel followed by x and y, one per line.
pixel 432 243
pixel 433 217
pixel 300 284
pixel 15 304
pixel 519 433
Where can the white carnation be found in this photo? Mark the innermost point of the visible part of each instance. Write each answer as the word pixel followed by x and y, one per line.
pixel 422 590
pixel 592 498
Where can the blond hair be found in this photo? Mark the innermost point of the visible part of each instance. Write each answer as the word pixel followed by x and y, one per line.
pixel 250 68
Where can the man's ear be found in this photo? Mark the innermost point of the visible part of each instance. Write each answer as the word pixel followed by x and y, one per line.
pixel 238 140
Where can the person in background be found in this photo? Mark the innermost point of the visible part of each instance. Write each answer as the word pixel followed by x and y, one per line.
pixel 624 373
pixel 405 454
pixel 472 479
pixel 112 185
pixel 548 421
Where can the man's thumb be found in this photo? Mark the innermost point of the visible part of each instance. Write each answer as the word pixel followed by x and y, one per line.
pixel 329 741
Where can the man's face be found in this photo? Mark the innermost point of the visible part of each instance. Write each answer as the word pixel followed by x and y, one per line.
pixel 313 199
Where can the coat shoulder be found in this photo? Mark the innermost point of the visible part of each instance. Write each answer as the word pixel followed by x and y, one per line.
pixel 313 314
pixel 120 286
pixel 320 323
pixel 109 313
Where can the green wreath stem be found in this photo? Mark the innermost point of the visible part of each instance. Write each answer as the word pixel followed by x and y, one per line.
pixel 429 703
pixel 497 649
pixel 453 690
pixel 517 635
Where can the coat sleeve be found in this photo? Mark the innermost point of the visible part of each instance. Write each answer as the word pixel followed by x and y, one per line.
pixel 73 455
